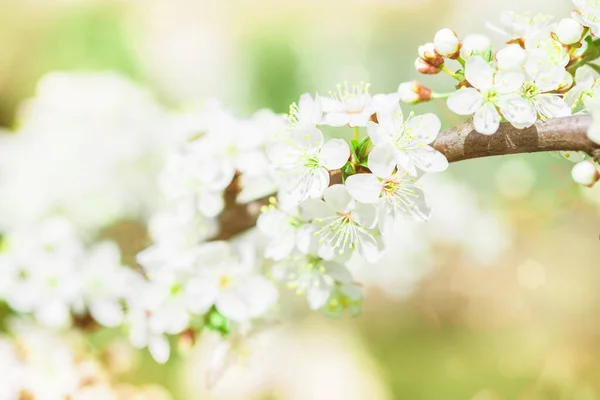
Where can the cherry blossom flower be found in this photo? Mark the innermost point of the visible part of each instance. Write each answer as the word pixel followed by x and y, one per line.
pixel 587 14
pixel 303 161
pixel 408 140
pixel 342 224
pixel 521 109
pixel 586 90
pixel 315 277
pixel 484 96
pixel 308 112
pixel 348 106
pixel 396 194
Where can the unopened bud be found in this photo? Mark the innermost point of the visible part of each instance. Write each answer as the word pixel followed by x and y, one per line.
pixel 425 68
pixel 413 92
pixel 446 43
pixel 569 31
pixel 474 43
pixel 187 339
pixel 585 173
pixel 427 52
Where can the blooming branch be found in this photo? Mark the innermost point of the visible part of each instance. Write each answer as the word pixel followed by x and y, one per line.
pixel 458 144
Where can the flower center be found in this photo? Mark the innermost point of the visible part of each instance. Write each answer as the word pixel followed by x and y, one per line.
pixel 225 281
pixel 530 90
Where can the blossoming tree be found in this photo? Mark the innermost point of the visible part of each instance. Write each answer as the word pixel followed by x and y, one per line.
pixel 322 185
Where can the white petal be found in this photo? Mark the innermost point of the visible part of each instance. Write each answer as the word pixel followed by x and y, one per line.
pixel 387 105
pixel 518 111
pixel 365 214
pixel 550 79
pixel 318 183
pixel 424 127
pixel 479 73
pixel 382 160
pixel 200 294
pixel 307 138
pixel 314 208
pixel 159 349
pixel 377 133
pixel 210 204
pixel 465 101
pixel 508 81
pixel 337 271
pixel 335 153
pixel 486 119
pixel 281 245
pixel 338 199
pixel 317 296
pixel 552 106
pixel 429 160
pixel 365 188
pixel 412 205
pixel 336 119
pixel 107 313
pixel 367 247
pixel 272 222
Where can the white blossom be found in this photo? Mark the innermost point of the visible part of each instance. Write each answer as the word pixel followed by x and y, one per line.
pixel 587 14
pixel 348 106
pixel 315 277
pixel 303 161
pixel 408 140
pixel 521 109
pixel 308 112
pixel 586 90
pixel 342 224
pixel 482 99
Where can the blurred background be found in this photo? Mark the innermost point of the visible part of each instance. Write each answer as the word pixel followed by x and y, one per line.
pixel 496 298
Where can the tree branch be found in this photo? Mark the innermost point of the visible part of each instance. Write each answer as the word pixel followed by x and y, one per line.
pixel 458 144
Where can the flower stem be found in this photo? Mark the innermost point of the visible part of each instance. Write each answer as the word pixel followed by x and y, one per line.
pixel 356 133
pixel 435 95
pixel 452 74
pixel 461 61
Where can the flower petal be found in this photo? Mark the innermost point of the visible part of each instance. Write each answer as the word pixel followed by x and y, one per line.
pixel 365 188
pixel 486 119
pixel 479 73
pixel 465 101
pixel 335 153
pixel 307 138
pixel 517 110
pixel 338 199
pixel 365 214
pixel 508 81
pixel 424 127
pixel 552 106
pixel 382 160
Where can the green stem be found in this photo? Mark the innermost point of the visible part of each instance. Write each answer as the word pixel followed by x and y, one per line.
pixel 461 61
pixel 356 133
pixel 452 74
pixel 435 95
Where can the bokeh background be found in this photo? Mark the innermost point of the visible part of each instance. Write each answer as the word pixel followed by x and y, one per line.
pixel 496 298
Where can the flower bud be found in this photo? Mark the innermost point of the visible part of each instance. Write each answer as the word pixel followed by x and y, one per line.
pixel 427 52
pixel 446 43
pixel 585 173
pixel 569 31
pixel 425 68
pixel 413 92
pixel 473 43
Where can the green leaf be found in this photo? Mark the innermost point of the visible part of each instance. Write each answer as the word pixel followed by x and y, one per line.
pixel 363 149
pixel 487 56
pixel 347 170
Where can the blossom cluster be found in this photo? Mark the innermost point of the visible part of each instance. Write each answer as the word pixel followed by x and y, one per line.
pixel 544 70
pixel 335 178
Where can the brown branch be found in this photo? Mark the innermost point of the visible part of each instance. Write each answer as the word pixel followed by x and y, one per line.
pixel 458 144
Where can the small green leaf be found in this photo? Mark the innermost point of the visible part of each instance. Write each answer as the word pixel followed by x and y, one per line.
pixel 487 56
pixel 347 170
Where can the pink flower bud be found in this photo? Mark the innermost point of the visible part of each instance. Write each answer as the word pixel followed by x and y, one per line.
pixel 585 173
pixel 425 68
pixel 427 52
pixel 413 92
